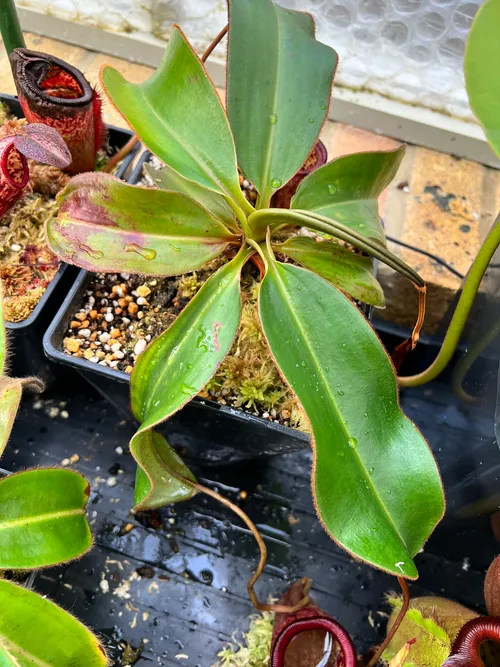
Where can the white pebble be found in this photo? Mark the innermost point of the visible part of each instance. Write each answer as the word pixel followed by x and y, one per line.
pixel 113 364
pixel 65 462
pixel 116 346
pixel 140 346
pixel 119 450
pixel 37 405
pixel 104 585
pixel 85 333
pixel 111 481
pixel 94 360
pixel 91 301
pixel 119 354
pixel 64 414
pixel 104 337
pixel 53 412
pixel 15 247
pixel 141 301
pixel 109 317
pixel 125 320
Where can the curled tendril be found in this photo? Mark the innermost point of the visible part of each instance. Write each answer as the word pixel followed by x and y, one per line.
pixel 338 633
pixel 465 651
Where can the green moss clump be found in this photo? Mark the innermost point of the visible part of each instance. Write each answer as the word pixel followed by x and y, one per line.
pixel 254 649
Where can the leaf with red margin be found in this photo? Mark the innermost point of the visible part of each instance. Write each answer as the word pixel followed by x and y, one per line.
pixel 104 224
pixel 376 485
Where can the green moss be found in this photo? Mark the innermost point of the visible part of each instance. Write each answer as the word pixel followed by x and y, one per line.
pixel 255 647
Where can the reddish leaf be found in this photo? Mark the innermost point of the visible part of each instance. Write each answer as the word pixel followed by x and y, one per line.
pixel 44 144
pixel 14 174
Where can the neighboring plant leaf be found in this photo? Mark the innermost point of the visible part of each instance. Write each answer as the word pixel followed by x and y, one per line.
pixel 178 364
pixel 352 273
pixel 156 484
pixel 433 643
pixel 278 90
pixel 347 189
pixel 104 224
pixel 168 179
pixel 44 144
pixel 10 397
pixel 376 485
pixel 36 632
pixel 42 518
pixel 179 117
pixel 482 70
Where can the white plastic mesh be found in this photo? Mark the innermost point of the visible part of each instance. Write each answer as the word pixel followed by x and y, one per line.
pixel 410 50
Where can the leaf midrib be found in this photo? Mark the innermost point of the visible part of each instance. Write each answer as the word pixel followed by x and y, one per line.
pixel 7 645
pixel 356 454
pixel 49 516
pixel 202 165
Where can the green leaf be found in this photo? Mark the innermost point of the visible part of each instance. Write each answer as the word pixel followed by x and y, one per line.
pixel 35 632
pixel 482 70
pixel 215 204
pixel 104 224
pixel 278 90
pixel 42 518
pixel 347 189
pixel 376 485
pixel 10 397
pixel 178 364
pixel 179 117
pixel 352 273
pixel 156 483
pixel 3 336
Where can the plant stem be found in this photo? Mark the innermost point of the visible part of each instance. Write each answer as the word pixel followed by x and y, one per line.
pixel 461 313
pixel 121 154
pixel 10 27
pixel 395 625
pixel 214 43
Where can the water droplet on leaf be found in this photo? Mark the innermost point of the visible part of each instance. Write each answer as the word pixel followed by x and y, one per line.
pixel 147 253
pixel 311 120
pixel 174 248
pixel 273 119
pixel 352 442
pixel 340 392
pixel 95 254
pixel 371 470
pixel 276 182
pixel 323 105
pixel 332 189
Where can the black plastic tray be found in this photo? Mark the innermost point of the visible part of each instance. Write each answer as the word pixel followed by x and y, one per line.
pixel 26 356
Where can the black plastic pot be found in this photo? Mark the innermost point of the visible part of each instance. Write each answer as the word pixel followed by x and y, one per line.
pixel 26 350
pixel 205 431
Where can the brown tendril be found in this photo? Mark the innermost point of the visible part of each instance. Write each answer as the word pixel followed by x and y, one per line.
pixel 395 625
pixel 260 606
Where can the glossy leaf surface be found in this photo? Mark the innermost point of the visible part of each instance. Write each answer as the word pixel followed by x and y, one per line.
pixel 42 518
pixel 215 203
pixel 156 484
pixel 179 117
pixel 178 364
pixel 482 70
pixel 35 632
pixel 104 224
pixel 376 485
pixel 10 397
pixel 278 90
pixel 347 189
pixel 352 273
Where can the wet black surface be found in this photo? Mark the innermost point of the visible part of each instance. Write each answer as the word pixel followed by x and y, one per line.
pixel 177 578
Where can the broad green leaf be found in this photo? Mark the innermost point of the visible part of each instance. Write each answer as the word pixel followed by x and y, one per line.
pixel 278 90
pixel 347 189
pixel 35 632
pixel 156 483
pixel 482 70
pixel 104 224
pixel 10 397
pixel 215 203
pixel 376 485
pixel 178 364
pixel 179 117
pixel 340 266
pixel 42 518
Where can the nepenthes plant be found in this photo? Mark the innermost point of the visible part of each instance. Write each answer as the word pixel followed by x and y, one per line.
pixel 376 485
